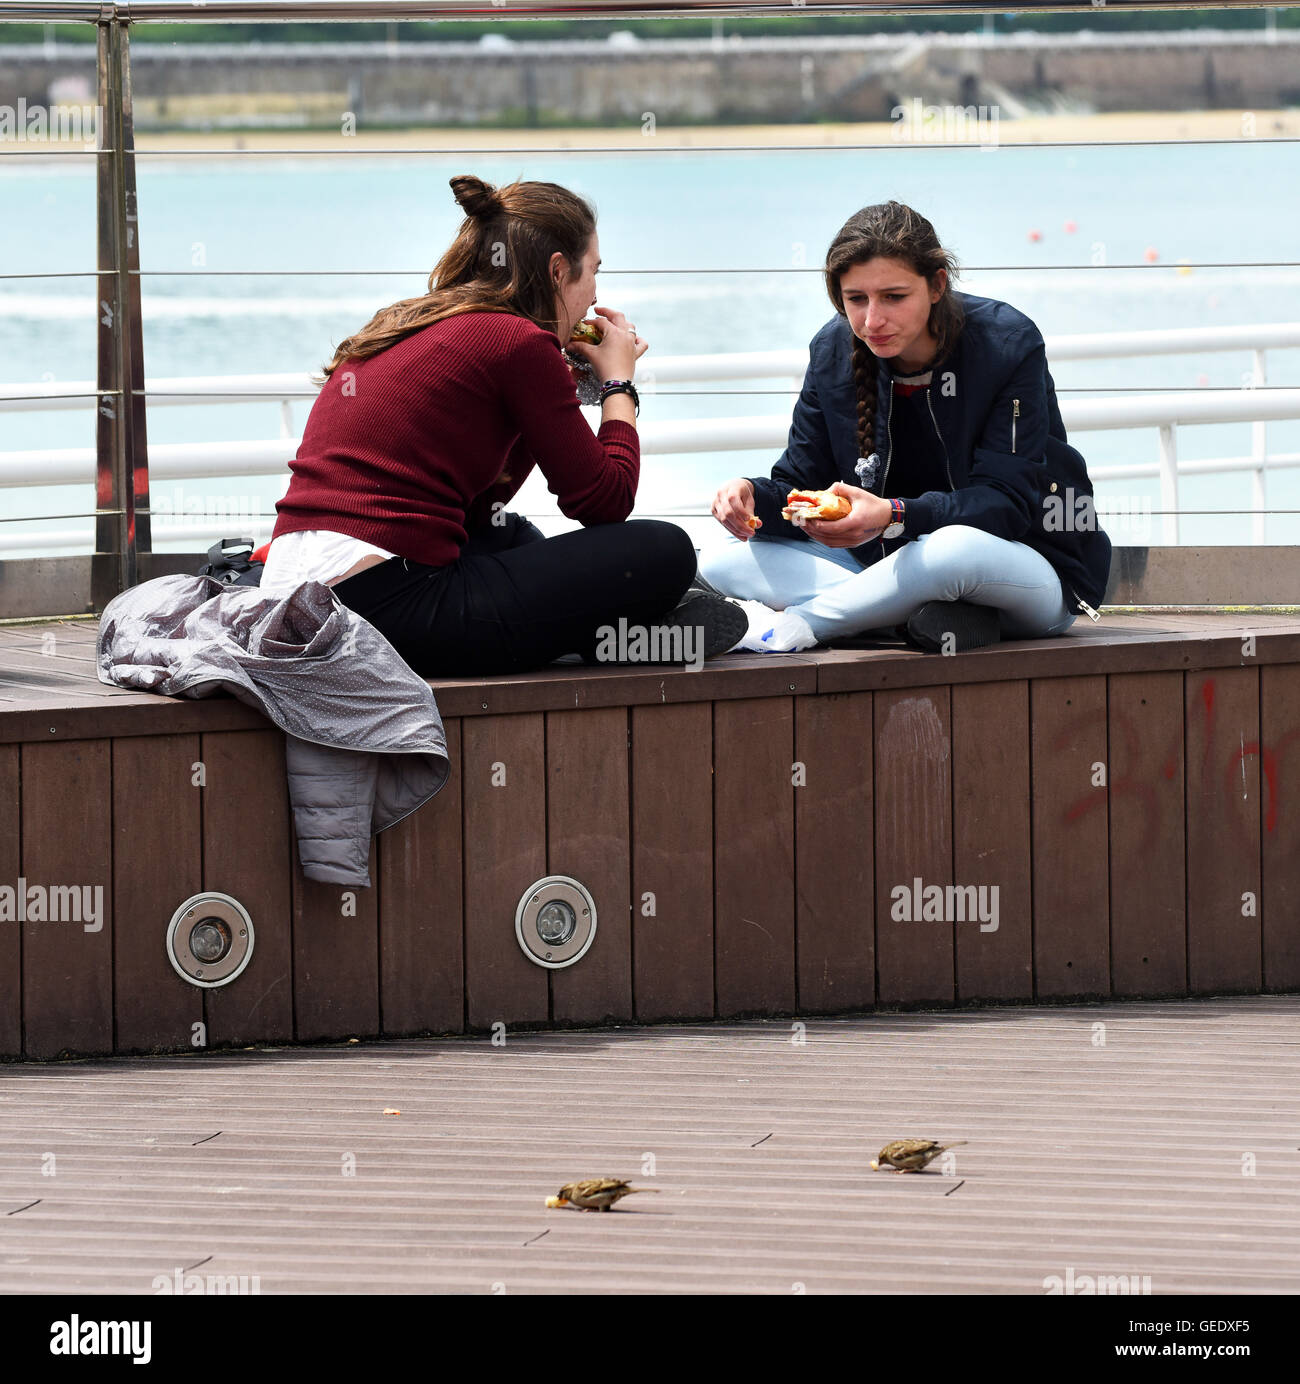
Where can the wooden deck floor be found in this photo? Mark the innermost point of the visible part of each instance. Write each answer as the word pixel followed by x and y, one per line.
pixel 1140 1140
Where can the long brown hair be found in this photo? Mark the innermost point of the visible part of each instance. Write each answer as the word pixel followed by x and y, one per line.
pixel 499 262
pixel 892 231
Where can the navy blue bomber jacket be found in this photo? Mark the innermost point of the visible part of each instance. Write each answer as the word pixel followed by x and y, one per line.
pixel 993 405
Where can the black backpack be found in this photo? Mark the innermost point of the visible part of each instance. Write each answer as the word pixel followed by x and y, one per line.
pixel 228 562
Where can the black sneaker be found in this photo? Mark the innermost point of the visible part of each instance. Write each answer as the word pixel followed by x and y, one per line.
pixel 700 586
pixel 723 621
pixel 871 639
pixel 971 627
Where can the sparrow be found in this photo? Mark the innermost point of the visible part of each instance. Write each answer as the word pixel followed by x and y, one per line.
pixel 594 1193
pixel 911 1155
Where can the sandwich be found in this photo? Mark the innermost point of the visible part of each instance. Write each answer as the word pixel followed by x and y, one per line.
pixel 584 331
pixel 815 504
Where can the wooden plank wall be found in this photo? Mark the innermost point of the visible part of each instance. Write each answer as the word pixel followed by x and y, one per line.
pixel 1148 865
pixel 761 855
pixel 992 846
pixel 672 861
pixel 11 935
pixel 421 911
pixel 587 818
pixel 835 853
pixel 505 851
pixel 1279 756
pixel 67 842
pixel 247 845
pixel 913 818
pixel 157 786
pixel 1068 748
pixel 754 867
pixel 1224 927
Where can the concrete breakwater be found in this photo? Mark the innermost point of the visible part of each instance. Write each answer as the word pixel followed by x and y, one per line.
pixel 628 81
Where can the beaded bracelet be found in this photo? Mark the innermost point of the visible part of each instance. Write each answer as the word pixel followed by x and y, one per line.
pixel 621 387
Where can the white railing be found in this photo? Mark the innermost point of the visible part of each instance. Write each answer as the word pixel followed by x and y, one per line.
pixel 1166 412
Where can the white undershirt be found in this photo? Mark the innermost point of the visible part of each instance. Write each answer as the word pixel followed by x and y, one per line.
pixel 312 555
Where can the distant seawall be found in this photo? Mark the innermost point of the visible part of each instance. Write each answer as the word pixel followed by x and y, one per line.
pixel 680 81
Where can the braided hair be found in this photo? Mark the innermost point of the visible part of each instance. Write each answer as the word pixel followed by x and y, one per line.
pixel 890 230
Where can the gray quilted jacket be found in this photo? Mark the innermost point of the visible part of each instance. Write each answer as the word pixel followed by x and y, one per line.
pixel 364 744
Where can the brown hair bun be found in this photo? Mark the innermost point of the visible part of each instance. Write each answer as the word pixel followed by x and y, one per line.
pixel 476 198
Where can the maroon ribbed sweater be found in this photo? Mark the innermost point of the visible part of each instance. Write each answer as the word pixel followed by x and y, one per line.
pixel 410 448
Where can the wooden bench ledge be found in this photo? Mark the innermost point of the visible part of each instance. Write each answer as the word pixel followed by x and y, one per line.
pixel 60 697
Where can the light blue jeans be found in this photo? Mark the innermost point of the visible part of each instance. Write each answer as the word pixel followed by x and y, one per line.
pixel 839 599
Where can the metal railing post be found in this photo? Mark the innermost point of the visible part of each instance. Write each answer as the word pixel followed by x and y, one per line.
pixel 121 471
pixel 1169 482
pixel 1259 451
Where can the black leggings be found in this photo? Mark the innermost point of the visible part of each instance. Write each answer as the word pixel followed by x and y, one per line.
pixel 516 600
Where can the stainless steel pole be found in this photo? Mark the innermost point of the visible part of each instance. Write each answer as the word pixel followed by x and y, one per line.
pixel 121 473
pixel 137 446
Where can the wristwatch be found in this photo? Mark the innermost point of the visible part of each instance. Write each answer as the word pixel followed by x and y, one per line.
pixel 895 526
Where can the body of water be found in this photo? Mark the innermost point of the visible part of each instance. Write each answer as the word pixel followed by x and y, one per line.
pixel 214 218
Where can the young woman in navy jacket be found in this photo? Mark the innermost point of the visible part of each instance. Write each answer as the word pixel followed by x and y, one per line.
pixel 934 414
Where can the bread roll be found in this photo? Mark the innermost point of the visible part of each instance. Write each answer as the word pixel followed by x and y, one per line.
pixel 816 504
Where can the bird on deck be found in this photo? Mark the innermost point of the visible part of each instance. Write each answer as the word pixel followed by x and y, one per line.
pixel 594 1193
pixel 911 1155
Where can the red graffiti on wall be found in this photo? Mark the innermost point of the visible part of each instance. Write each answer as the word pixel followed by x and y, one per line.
pixel 1145 765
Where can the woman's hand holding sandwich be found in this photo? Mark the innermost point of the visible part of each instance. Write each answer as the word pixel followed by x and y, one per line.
pixel 867 518
pixel 619 349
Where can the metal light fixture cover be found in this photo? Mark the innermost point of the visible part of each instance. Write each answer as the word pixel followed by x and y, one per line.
pixel 210 939
pixel 555 922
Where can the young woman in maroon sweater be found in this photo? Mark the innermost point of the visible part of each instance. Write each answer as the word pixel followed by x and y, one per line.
pixel 431 418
